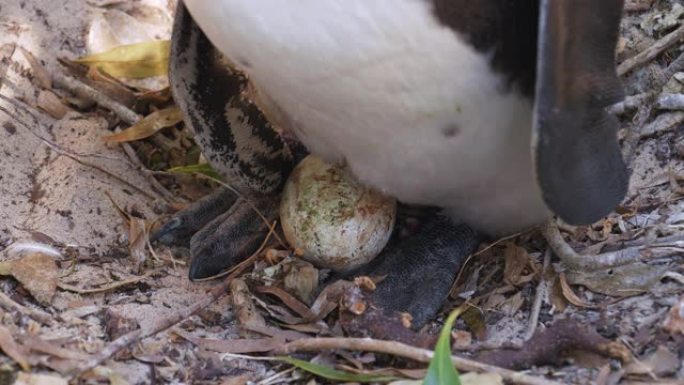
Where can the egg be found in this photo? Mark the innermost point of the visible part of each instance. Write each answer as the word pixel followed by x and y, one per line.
pixel 337 222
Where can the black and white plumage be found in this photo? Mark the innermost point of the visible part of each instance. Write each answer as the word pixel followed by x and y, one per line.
pixel 491 109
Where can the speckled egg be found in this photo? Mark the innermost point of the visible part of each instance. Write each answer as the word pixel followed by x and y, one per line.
pixel 332 218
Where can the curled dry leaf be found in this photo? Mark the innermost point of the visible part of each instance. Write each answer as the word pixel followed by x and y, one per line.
pixel 37 272
pixel 148 126
pixel 290 301
pixel 570 295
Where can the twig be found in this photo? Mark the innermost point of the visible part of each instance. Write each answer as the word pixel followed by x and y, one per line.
pixel 608 259
pixel 113 286
pixel 124 113
pixel 68 153
pixel 631 102
pixel 135 336
pixel 83 90
pixel 406 351
pixel 542 289
pixel 651 52
pixel 670 102
pixel 36 315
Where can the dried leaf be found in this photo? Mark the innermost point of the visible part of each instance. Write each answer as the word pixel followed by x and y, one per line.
pixel 517 262
pixel 37 273
pixel 624 280
pixel 138 238
pixel 148 126
pixel 139 60
pixel 301 278
pixel 289 300
pixel 39 72
pixel 14 351
pixel 570 295
pixel 158 97
pixel 513 304
pixel 244 306
pixel 52 104
pixel 556 297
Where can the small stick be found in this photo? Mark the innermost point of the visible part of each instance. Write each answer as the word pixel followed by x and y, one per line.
pixel 81 89
pixel 135 336
pixel 110 287
pixel 651 52
pixel 36 315
pixel 124 113
pixel 608 259
pixel 670 102
pixel 542 289
pixel 69 154
pixel 406 351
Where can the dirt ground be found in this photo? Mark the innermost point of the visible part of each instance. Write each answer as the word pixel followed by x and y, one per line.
pixel 78 272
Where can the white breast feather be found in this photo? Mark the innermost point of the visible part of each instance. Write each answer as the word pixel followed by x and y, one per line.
pixel 376 84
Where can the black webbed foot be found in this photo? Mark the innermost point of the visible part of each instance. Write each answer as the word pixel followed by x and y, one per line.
pixel 220 229
pixel 420 270
pixel 183 225
pixel 231 237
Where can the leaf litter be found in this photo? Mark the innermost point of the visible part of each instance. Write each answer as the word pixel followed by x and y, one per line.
pixel 499 296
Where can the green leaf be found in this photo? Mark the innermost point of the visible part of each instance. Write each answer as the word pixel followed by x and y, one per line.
pixel 334 374
pixel 441 370
pixel 140 60
pixel 200 168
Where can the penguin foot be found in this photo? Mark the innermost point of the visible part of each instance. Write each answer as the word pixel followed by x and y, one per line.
pixel 220 229
pixel 419 271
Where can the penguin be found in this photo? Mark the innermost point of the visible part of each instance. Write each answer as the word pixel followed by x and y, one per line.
pixel 491 110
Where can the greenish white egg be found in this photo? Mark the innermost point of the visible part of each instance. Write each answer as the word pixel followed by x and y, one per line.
pixel 336 222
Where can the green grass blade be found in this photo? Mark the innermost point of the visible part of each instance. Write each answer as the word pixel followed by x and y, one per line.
pixel 334 374
pixel 441 371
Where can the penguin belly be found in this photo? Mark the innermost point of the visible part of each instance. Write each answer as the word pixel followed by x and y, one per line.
pixel 404 101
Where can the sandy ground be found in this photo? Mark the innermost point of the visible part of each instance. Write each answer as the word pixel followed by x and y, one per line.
pixel 58 180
